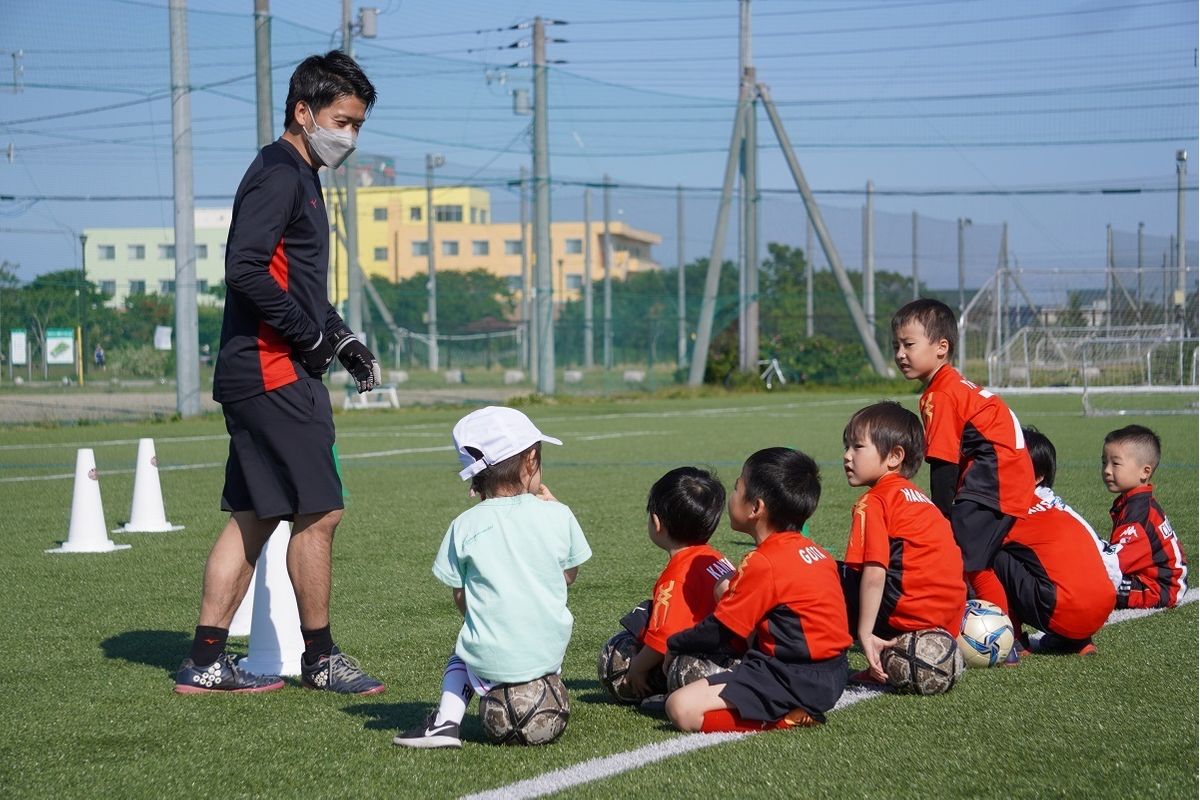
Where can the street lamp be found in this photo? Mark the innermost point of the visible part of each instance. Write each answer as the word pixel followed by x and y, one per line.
pixel 432 162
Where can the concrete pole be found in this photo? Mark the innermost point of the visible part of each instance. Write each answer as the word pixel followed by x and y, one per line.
pixel 750 196
pixel 354 277
pixel 589 322
pixel 1180 231
pixel 874 354
pixel 262 71
pixel 431 161
pixel 1108 278
pixel 608 260
pixel 187 330
pixel 808 276
pixel 1140 263
pixel 962 265
pixel 681 278
pixel 916 270
pixel 543 269
pixel 869 258
pixel 527 279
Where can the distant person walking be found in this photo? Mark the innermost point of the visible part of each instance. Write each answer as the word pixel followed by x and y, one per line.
pixel 98 357
pixel 278 337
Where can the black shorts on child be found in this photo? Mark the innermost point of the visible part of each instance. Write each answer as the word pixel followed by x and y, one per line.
pixel 979 531
pixel 764 688
pixel 281 460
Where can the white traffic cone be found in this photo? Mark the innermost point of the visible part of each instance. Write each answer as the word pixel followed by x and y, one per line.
pixel 87 533
pixel 147 514
pixel 275 641
pixel 240 626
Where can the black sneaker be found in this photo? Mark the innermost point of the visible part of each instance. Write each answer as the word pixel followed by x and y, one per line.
pixel 337 672
pixel 428 735
pixel 223 675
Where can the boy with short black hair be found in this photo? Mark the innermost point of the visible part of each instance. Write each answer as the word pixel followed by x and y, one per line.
pixel 1052 566
pixel 784 610
pixel 980 475
pixel 684 508
pixel 902 571
pixel 1153 567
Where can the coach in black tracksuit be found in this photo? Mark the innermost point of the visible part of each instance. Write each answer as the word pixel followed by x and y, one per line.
pixel 279 335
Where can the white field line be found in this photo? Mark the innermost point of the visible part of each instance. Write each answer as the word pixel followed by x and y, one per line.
pixel 599 768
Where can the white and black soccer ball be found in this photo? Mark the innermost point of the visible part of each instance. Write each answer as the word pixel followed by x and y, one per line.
pixel 923 662
pixel 687 669
pixel 987 634
pixel 532 713
pixel 613 663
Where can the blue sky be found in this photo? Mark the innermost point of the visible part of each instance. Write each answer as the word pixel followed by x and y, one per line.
pixel 1020 112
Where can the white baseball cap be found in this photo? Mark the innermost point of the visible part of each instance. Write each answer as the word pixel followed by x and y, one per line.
pixel 499 433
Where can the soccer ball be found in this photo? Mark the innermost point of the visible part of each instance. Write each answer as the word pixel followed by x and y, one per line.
pixel 987 634
pixel 530 713
pixel 687 669
pixel 923 662
pixel 613 663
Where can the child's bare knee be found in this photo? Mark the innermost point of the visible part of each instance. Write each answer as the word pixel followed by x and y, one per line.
pixel 683 715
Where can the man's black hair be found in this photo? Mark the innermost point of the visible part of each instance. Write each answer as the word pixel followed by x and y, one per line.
pixel 1042 454
pixel 688 502
pixel 321 80
pixel 787 481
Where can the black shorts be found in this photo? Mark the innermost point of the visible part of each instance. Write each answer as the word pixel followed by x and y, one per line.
pixel 979 531
pixel 281 459
pixel 764 688
pixel 1031 595
pixel 851 579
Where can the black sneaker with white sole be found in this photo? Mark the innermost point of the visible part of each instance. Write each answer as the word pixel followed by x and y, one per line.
pixel 223 675
pixel 428 735
pixel 338 672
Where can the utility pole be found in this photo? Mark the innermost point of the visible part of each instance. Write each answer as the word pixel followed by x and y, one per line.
pixel 531 358
pixel 354 278
pixel 916 275
pixel 589 349
pixel 1108 278
pixel 681 277
pixel 262 71
pixel 1180 232
pixel 963 224
pixel 432 162
pixel 869 258
pixel 1141 237
pixel 808 276
pixel 750 196
pixel 83 306
pixel 187 336
pixel 608 259
pixel 543 269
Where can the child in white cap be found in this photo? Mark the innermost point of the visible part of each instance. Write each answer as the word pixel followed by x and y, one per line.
pixel 508 561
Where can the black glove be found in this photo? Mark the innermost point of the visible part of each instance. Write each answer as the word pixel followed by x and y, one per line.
pixel 357 359
pixel 317 358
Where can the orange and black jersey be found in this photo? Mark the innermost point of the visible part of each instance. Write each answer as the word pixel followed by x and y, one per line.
pixel 1151 558
pixel 970 426
pixel 276 276
pixel 786 599
pixel 683 593
pixel 896 526
pixel 1062 554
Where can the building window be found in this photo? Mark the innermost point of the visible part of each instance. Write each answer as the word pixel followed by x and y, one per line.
pixel 574 282
pixel 414 214
pixel 447 213
pixel 479 247
pixel 381 254
pixel 137 287
pixel 201 251
pixel 483 216
pixel 137 252
pixel 420 248
pixel 573 246
pixel 107 252
pixel 450 248
pixel 166 251
pixel 166 287
pixel 202 286
pixel 108 287
pixel 380 214
pixel 514 283
pixel 222 252
pixel 512 247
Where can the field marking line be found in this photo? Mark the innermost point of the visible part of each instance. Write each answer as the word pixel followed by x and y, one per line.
pixel 607 766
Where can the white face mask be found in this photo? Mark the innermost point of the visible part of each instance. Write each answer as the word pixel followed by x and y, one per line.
pixel 331 148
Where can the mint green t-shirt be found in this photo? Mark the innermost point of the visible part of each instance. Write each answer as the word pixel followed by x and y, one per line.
pixel 508 555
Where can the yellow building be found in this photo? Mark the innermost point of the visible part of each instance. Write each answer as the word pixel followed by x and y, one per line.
pixel 393 240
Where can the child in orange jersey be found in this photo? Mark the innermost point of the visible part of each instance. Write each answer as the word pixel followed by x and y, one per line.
pixel 902 571
pixel 980 475
pixel 784 611
pixel 684 509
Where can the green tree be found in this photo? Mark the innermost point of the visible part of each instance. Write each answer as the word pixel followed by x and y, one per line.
pixel 464 300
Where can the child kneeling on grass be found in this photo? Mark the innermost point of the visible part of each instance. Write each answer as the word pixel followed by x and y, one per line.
pixel 784 609
pixel 508 561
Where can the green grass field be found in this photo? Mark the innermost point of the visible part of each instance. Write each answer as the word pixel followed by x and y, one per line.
pixel 92 640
